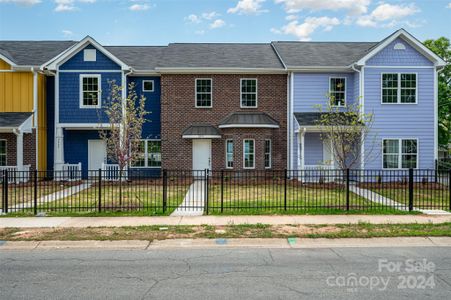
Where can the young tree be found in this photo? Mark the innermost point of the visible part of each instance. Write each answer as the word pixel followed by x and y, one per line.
pixel 125 116
pixel 442 48
pixel 345 130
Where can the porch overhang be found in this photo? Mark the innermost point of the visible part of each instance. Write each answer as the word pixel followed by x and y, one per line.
pixel 248 120
pixel 201 131
pixel 16 122
pixel 308 121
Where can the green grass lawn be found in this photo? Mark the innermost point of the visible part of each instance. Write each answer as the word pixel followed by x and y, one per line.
pixel 425 196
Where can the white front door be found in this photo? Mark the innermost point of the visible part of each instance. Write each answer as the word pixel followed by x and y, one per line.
pixel 201 154
pixel 96 154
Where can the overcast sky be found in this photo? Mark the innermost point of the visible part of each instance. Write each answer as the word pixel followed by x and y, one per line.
pixel 158 22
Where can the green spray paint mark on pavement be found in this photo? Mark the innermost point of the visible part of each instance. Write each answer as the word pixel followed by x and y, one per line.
pixel 221 241
pixel 291 241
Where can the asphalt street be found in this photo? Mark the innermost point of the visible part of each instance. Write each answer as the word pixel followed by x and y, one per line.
pixel 328 273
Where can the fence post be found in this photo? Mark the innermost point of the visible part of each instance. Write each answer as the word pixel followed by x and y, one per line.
pixel 3 189
pixel 410 189
pixel 5 192
pixel 35 191
pixel 436 171
pixel 449 188
pixel 347 189
pixel 100 189
pixel 165 190
pixel 206 191
pixel 285 189
pixel 222 191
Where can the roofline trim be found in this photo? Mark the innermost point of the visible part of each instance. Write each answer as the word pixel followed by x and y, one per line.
pixel 249 126
pixel 8 61
pixel 319 68
pixel 66 55
pixel 438 61
pixel 201 136
pixel 220 70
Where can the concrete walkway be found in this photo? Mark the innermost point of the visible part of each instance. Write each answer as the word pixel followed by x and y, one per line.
pixel 194 201
pixel 52 197
pixel 277 243
pixel 82 222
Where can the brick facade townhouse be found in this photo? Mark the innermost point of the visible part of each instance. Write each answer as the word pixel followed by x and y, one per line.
pixel 223 107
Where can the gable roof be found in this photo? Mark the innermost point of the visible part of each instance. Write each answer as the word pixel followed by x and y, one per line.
pixel 220 55
pixel 411 40
pixel 139 57
pixel 321 54
pixel 32 53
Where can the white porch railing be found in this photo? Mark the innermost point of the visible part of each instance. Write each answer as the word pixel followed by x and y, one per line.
pixel 111 172
pixel 70 172
pixel 16 174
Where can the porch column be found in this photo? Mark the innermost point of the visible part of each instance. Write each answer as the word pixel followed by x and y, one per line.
pixel 302 133
pixel 59 149
pixel 19 151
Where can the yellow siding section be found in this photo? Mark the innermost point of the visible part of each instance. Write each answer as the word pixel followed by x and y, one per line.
pixel 16 90
pixel 42 124
pixel 4 65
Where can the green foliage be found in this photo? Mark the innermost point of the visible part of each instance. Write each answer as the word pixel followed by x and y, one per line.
pixel 442 48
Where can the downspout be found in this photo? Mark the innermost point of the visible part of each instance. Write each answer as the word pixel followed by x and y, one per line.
pixel 437 70
pixel 362 111
pixel 35 116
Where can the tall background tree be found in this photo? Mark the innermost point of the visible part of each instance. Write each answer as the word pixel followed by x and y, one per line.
pixel 442 48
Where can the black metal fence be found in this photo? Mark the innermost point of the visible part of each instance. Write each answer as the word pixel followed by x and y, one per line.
pixel 225 191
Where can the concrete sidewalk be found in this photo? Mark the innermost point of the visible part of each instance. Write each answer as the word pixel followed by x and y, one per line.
pixel 82 222
pixel 235 243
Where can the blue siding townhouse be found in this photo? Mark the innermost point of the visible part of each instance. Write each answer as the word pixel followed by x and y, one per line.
pixel 81 84
pixel 395 80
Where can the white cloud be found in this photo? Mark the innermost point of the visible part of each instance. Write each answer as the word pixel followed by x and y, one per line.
pixel 69 5
pixel 449 5
pixel 354 7
pixel 304 31
pixel 193 18
pixel 218 23
pixel 210 15
pixel 387 15
pixel 291 17
pixel 67 33
pixel 248 7
pixel 22 2
pixel 139 7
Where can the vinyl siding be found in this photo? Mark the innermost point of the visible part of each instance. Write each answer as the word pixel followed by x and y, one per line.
pixel 50 117
pixel 16 90
pixel 76 147
pixel 313 148
pixel 42 123
pixel 311 89
pixel 391 57
pixel 401 120
pixel 77 62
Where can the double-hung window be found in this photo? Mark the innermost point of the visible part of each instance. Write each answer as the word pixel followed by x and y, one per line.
pixel 249 154
pixel 399 88
pixel 268 153
pixel 229 154
pixel 337 91
pixel 248 93
pixel 400 153
pixel 2 152
pixel 90 91
pixel 149 154
pixel 204 92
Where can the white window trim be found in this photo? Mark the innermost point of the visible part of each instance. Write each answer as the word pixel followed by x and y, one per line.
pixel 195 92
pixel 233 153
pixel 400 152
pixel 398 97
pixel 6 151
pixel 270 154
pixel 99 91
pixel 153 85
pixel 90 51
pixel 244 154
pixel 241 93
pixel 346 87
pixel 146 155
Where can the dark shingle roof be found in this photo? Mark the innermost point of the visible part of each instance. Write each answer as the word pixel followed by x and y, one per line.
pixel 13 119
pixel 139 57
pixel 200 130
pixel 33 53
pixel 312 118
pixel 311 54
pixel 248 118
pixel 211 55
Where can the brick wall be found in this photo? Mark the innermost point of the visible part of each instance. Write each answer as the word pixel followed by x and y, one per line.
pixel 178 112
pixel 29 148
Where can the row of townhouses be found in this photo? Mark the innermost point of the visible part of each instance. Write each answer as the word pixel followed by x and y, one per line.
pixel 217 106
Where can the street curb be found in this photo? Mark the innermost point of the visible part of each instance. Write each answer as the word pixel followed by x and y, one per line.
pixel 236 243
